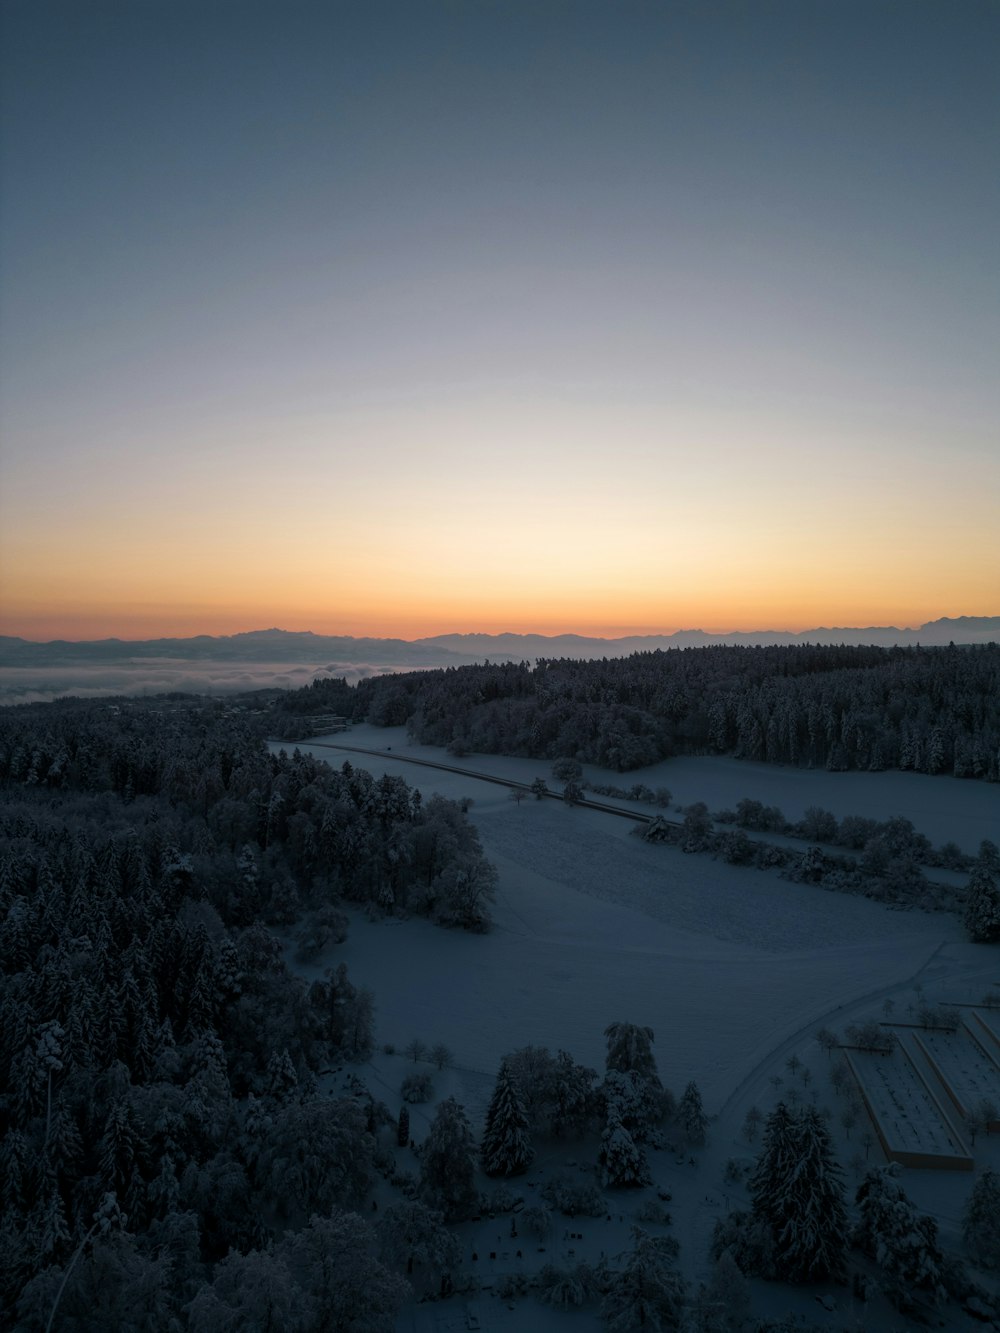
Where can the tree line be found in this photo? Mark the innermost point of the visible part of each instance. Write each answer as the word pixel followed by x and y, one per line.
pixel 931 710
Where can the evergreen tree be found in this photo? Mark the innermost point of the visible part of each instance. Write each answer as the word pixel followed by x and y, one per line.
pixel 282 1080
pixel 570 1097
pixel 631 1048
pixel 448 1164
pixel 982 906
pixel 773 1169
pixel 648 1293
pixel 622 1161
pixel 506 1150
pixel 902 1241
pixel 121 1153
pixel 632 1079
pixel 723 1305
pixel 981 1221
pixel 691 1115
pixel 811 1244
pixel 798 1195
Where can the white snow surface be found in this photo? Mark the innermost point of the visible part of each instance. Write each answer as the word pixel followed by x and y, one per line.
pixel 734 969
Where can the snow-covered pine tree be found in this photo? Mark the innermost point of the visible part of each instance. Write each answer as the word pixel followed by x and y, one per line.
pixel 798 1196
pixel 631 1047
pixel 282 1080
pixel 622 1161
pixel 630 1056
pixel 506 1150
pixel 902 1241
pixel 691 1115
pixel 981 1221
pixel 811 1244
pixel 769 1178
pixel 723 1305
pixel 447 1163
pixel 648 1292
pixel 982 906
pixel 571 1097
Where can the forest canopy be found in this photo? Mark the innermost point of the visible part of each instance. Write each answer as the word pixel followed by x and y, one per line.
pixel 928 710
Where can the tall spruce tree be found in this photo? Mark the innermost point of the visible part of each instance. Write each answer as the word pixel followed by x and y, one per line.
pixel 448 1164
pixel 622 1160
pixel 812 1243
pixel 773 1169
pixel 981 1221
pixel 798 1194
pixel 506 1150
pixel 691 1115
pixel 648 1292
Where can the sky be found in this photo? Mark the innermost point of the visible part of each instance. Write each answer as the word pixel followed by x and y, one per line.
pixel 404 318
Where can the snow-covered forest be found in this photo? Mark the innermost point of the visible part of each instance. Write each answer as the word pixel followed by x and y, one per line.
pixel 925 710
pixel 199 1125
pixel 158 1059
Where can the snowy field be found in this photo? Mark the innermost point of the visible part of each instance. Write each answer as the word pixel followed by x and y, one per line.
pixel 945 809
pixel 734 969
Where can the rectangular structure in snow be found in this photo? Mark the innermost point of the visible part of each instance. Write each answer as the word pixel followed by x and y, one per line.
pixel 965 1071
pixel 911 1123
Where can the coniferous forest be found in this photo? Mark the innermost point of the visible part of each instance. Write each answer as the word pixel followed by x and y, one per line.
pixel 157 1057
pixel 934 710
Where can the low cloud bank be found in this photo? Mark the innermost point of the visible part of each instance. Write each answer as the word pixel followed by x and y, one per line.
pixel 24 685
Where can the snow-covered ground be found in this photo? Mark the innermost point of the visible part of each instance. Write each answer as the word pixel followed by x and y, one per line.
pixel 945 809
pixel 734 969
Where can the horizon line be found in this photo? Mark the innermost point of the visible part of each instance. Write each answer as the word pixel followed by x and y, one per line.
pixel 614 635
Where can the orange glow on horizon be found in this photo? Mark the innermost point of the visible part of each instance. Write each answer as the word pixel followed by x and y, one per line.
pixel 138 624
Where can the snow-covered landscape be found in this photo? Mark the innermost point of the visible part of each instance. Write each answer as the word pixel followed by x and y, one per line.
pixel 499 666
pixel 735 970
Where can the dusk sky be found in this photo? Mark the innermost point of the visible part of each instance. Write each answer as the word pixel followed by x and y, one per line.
pixel 401 318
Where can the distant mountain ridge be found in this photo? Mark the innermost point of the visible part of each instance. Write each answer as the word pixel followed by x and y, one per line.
pixel 935 633
pixel 277 645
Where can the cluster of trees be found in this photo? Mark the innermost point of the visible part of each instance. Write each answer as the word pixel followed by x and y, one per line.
pixel 797 1228
pixel 269 836
pixel 887 867
pixel 881 842
pixel 933 710
pixel 163 1151
pixel 540 1094
pixel 883 871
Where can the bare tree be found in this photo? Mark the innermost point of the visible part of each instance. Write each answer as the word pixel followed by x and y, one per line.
pixel 441 1056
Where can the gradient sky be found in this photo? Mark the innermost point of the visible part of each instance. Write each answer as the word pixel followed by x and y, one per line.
pixel 399 318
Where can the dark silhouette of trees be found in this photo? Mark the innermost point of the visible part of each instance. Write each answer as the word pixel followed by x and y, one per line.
pixel 506 1148
pixel 155 1049
pixel 931 710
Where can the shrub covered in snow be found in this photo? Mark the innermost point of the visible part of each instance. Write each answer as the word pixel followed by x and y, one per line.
pixel 574 1198
pixel 566 1288
pixel 417 1088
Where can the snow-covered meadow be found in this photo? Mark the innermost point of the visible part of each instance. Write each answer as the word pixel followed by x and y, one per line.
pixel 734 969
